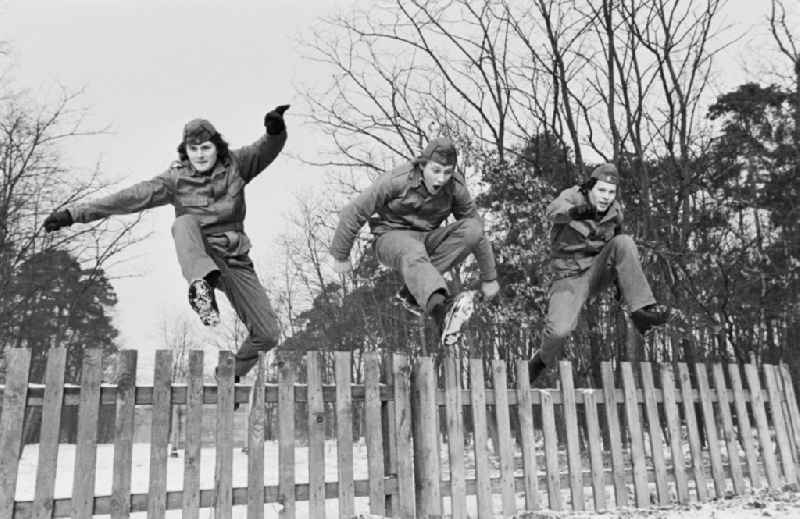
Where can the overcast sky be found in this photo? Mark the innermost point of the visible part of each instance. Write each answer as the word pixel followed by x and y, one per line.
pixel 147 67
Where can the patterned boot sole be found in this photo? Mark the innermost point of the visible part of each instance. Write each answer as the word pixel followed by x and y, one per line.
pixel 201 298
pixel 459 313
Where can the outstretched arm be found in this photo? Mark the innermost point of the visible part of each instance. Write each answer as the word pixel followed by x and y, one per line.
pixel 136 198
pixel 254 158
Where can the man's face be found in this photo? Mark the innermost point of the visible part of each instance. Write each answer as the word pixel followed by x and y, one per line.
pixel 203 156
pixel 602 195
pixel 436 175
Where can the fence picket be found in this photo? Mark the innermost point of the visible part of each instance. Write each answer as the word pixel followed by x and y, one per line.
pixel 482 467
pixel 525 412
pixel 504 444
pixel 791 404
pixel 550 450
pixel 50 428
pixel 654 431
pixel 614 437
pixel 223 463
pixel 455 438
pixel 316 437
pixel 344 432
pixel 701 487
pixel 194 432
pixel 595 450
pixel 757 405
pixel 374 438
pixel 717 472
pixel 255 445
pixel 11 422
pixel 640 484
pixel 571 425
pixel 426 447
pixel 159 435
pixel 405 468
pixel 727 429
pixel 674 424
pixel 286 378
pixel 86 449
pixel 779 423
pixel 744 428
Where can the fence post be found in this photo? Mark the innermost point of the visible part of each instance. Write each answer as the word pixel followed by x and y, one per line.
pixel 426 448
pixel 14 399
pixel 405 468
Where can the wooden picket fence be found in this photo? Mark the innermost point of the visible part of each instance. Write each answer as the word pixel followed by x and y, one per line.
pixel 659 444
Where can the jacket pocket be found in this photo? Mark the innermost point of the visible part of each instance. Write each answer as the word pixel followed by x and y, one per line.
pixel 194 201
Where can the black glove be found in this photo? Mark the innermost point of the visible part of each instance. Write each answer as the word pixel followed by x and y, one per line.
pixel 273 121
pixel 57 220
pixel 583 212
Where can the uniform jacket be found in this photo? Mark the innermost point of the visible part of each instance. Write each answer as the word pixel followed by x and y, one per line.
pixel 216 198
pixel 398 200
pixel 574 243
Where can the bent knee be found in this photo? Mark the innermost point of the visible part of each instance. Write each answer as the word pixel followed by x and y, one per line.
pixel 472 230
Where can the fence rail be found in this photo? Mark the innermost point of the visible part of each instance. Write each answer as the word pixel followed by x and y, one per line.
pixel 672 435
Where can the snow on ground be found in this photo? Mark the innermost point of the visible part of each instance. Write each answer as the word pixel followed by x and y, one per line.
pixel 783 505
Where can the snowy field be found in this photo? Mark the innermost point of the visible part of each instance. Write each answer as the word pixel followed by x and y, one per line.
pixel 784 504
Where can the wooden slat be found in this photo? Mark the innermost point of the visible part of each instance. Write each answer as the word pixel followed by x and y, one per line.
pixel 727 429
pixel 286 378
pixel 50 428
pixel 159 435
pixel 717 472
pixel 455 438
pixel 791 404
pixel 505 445
pixel 11 422
pixel 615 441
pixel 757 404
pixel 745 430
pixel 86 449
pixel 674 425
pixel 640 485
pixel 595 450
pixel 573 447
pixel 372 408
pixel 316 437
pixel 194 432
pixel 525 412
pixel 779 424
pixel 255 444
pixel 482 467
pixel 223 462
pixel 344 433
pixel 405 470
pixel 701 487
pixel 550 451
pixel 123 434
pixel 427 474
pixel 654 430
pixel 388 428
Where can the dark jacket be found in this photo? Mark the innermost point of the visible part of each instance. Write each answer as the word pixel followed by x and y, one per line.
pixel 574 243
pixel 216 198
pixel 398 200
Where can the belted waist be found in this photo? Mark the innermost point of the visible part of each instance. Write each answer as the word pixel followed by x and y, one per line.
pixel 220 228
